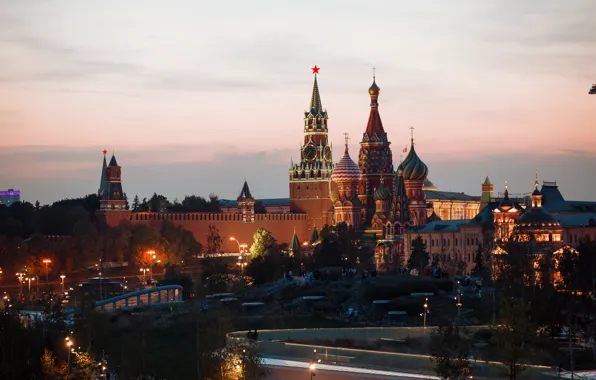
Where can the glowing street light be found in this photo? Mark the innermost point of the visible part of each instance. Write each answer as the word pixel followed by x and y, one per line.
pixel 62 277
pixel 69 344
pixel 47 262
pixel 29 279
pixel 426 311
pixel 313 365
pixel 459 304
pixel 144 271
pixel 152 257
pixel 21 277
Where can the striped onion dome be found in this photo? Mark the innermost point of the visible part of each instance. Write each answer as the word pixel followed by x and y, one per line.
pixel 345 170
pixel 381 193
pixel 413 167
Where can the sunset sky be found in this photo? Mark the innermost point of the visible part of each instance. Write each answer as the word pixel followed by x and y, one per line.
pixel 195 96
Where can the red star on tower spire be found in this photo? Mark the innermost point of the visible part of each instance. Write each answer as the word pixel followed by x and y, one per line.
pixel 315 70
pixel 104 151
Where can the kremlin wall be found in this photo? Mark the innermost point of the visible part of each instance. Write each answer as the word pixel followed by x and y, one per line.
pixel 389 207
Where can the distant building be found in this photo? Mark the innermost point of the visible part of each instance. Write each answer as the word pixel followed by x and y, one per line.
pixel 10 196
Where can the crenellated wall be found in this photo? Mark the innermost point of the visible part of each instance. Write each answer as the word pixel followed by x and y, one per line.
pixel 282 226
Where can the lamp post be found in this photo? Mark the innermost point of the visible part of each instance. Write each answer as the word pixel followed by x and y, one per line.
pixel 151 257
pixel 69 343
pixel 459 304
pixel 62 277
pixel 21 276
pixel 144 270
pixel 47 262
pixel 30 278
pixel 237 242
pixel 426 311
pixel 313 365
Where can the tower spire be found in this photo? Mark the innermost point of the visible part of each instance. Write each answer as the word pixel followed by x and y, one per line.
pixel 536 180
pixel 412 134
pixel 346 138
pixel 315 100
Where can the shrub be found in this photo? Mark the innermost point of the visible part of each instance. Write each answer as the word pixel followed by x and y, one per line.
pixel 398 286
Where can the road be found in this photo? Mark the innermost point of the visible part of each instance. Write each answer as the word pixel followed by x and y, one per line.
pixel 281 369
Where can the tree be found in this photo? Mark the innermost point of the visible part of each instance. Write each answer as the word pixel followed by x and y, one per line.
pixel 177 244
pixel 479 267
pixel 236 361
pixel 49 369
pixel 136 203
pixel 263 241
pixel 214 240
pixel 419 256
pixel 509 339
pixel 158 203
pixel 194 203
pixel 269 265
pixel 450 353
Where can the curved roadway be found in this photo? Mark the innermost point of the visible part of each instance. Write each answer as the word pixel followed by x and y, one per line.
pixel 282 369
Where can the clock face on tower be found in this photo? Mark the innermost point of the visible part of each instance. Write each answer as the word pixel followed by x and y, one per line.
pixel 327 153
pixel 309 152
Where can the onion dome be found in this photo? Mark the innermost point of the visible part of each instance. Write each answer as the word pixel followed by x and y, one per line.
pixel 413 167
pixel 374 89
pixel 346 170
pixel 381 193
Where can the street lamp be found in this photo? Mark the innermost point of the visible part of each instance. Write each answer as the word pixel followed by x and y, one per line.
pixel 144 270
pixel 47 262
pixel 426 311
pixel 459 304
pixel 152 257
pixel 237 242
pixel 30 278
pixel 69 344
pixel 313 365
pixel 62 277
pixel 21 276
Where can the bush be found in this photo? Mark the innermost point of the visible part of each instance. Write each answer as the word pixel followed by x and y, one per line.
pixel 331 273
pixel 483 335
pixel 387 288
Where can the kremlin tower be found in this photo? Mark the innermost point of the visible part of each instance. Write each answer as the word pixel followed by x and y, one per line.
pixel 310 180
pixel 346 204
pixel 111 195
pixel 375 158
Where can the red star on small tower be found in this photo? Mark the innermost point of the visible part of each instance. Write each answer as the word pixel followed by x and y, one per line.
pixel 315 70
pixel 104 151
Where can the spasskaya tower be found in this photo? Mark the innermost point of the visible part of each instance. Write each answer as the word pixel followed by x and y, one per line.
pixel 310 180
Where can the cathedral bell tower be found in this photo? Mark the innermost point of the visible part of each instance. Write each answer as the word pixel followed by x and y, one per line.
pixel 375 158
pixel 310 180
pixel 414 173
